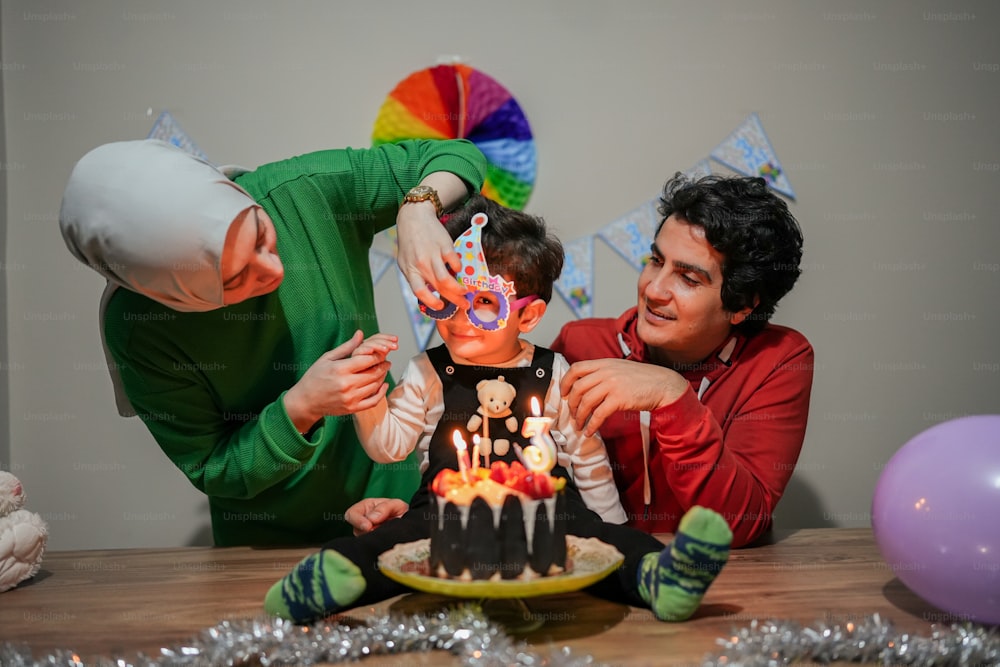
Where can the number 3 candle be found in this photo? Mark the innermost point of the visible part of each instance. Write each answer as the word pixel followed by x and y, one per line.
pixel 540 455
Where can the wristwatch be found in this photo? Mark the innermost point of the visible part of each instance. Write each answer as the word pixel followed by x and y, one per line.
pixel 424 193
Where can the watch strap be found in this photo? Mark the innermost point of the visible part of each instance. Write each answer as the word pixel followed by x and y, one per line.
pixel 425 193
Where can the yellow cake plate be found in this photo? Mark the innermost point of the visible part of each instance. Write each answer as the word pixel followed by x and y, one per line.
pixel 592 561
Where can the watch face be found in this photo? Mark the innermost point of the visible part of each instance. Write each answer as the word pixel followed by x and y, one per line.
pixel 425 193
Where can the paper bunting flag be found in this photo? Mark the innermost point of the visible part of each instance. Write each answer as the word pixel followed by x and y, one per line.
pixel 423 326
pixel 748 152
pixel 576 284
pixel 632 234
pixel 392 237
pixel 378 261
pixel 701 169
pixel 166 129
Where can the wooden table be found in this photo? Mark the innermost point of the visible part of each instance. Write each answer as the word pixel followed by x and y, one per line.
pixel 119 602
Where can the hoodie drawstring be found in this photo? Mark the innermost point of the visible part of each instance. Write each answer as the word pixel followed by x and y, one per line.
pixel 647 496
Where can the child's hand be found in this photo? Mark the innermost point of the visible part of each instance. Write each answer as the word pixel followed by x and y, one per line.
pixel 369 513
pixel 340 382
pixel 377 345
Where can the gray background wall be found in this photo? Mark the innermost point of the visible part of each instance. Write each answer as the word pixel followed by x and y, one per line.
pixel 4 352
pixel 884 114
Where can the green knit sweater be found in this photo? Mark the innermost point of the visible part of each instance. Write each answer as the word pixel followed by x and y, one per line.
pixel 209 386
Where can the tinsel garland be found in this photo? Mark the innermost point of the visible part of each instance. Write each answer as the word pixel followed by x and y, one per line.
pixel 462 631
pixel 872 640
pixel 466 633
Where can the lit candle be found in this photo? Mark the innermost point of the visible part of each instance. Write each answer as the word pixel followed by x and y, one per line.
pixel 535 424
pixel 475 454
pixel 540 455
pixel 462 450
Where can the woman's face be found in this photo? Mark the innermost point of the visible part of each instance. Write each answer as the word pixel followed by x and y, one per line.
pixel 250 263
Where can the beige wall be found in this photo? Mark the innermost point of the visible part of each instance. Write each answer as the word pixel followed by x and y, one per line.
pixel 884 115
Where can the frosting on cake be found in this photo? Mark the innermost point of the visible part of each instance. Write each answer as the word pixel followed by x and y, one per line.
pixel 502 523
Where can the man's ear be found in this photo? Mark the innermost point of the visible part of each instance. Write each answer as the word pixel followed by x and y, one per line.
pixel 743 313
pixel 531 315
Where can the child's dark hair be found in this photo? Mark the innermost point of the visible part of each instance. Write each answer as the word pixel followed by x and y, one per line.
pixel 516 245
pixel 753 229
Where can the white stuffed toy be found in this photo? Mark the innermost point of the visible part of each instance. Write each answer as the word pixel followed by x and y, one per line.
pixel 495 397
pixel 23 535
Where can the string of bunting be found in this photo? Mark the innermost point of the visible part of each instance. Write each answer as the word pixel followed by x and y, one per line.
pixel 746 151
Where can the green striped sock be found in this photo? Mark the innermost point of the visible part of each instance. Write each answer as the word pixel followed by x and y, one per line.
pixel 674 581
pixel 321 584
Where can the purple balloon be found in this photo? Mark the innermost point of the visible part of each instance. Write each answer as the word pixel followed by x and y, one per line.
pixel 936 517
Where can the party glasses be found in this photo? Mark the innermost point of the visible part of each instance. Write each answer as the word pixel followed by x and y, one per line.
pixel 488 309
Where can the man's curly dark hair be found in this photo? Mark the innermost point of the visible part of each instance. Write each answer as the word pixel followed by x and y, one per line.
pixel 759 239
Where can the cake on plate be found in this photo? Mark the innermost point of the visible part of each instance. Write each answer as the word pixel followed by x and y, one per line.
pixel 497 524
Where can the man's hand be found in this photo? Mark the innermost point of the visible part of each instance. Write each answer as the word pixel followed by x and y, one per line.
pixel 598 388
pixel 366 514
pixel 337 384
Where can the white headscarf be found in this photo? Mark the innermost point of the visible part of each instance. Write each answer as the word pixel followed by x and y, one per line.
pixel 153 218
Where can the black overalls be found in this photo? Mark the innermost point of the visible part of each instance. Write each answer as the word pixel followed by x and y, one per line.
pixel 458 384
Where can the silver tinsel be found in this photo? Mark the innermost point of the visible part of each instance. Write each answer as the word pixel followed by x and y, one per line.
pixel 871 640
pixel 466 633
pixel 271 642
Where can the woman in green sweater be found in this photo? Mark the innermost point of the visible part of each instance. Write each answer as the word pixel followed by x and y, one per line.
pixel 247 293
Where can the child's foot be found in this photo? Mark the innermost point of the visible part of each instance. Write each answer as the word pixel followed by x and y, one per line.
pixel 321 584
pixel 673 581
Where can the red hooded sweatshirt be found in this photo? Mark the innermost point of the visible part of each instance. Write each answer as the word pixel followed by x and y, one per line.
pixel 729 443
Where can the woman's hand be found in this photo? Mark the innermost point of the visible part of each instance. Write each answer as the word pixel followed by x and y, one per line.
pixel 365 515
pixel 426 254
pixel 338 384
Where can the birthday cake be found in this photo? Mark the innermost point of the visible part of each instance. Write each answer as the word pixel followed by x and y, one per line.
pixel 500 523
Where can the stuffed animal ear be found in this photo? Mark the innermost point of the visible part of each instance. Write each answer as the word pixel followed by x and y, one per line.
pixel 11 493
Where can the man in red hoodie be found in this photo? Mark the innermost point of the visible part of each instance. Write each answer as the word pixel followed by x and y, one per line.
pixel 699 399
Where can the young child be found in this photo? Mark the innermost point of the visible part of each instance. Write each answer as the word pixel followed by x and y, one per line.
pixel 501 249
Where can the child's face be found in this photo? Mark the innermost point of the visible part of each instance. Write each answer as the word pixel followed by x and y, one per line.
pixel 476 345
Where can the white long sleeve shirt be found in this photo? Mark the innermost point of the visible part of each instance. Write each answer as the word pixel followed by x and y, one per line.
pixel 409 416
